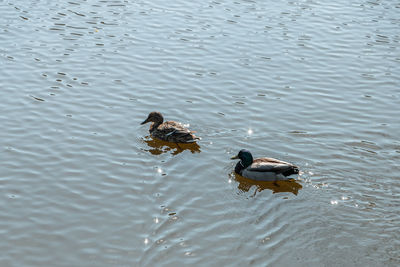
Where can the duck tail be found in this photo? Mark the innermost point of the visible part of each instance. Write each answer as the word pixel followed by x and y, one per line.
pixel 296 170
pixel 293 170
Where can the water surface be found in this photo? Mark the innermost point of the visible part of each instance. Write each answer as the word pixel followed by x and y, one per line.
pixel 315 83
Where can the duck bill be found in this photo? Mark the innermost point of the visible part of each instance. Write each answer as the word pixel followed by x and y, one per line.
pixel 235 157
pixel 146 121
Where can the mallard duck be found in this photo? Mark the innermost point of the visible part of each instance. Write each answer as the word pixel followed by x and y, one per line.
pixel 170 131
pixel 263 169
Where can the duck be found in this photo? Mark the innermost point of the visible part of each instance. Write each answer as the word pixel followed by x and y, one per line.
pixel 263 169
pixel 170 131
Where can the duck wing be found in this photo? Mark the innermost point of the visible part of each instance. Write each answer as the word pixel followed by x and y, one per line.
pixel 273 165
pixel 175 132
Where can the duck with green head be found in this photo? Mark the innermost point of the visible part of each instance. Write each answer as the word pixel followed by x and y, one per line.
pixel 170 131
pixel 263 169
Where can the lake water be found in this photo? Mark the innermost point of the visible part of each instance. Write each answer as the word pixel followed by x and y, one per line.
pixel 315 83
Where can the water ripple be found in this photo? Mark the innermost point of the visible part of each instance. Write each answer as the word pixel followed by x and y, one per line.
pixel 307 82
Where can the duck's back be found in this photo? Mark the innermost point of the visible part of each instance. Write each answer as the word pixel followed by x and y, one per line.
pixel 173 131
pixel 272 165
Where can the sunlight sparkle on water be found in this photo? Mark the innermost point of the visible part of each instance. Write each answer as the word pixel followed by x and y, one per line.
pixel 249 131
pixel 146 241
pixel 334 202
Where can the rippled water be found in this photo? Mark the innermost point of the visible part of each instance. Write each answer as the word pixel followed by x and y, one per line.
pixel 315 83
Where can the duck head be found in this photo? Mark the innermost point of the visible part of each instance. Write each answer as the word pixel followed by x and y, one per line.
pixel 246 159
pixel 155 117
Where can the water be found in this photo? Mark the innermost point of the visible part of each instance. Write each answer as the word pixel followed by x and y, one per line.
pixel 315 83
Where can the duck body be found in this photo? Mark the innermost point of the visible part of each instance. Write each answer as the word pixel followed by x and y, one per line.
pixel 263 169
pixel 170 131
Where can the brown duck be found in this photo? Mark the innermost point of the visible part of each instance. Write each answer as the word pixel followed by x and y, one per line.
pixel 170 131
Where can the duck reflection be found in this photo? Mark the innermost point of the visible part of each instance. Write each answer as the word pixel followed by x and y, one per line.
pixel 276 187
pixel 158 147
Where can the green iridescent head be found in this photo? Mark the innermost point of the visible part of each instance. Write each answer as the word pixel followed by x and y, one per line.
pixel 246 159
